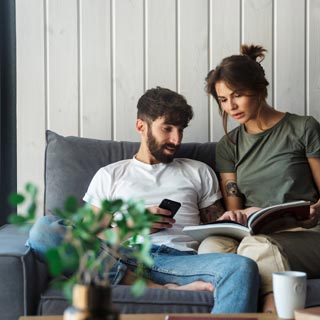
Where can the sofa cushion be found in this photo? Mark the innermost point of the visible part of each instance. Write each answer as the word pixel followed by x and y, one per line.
pixel 313 293
pixel 23 278
pixel 52 301
pixel 71 162
pixel 153 301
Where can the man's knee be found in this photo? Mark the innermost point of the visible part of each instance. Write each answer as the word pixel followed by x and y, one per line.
pixel 47 232
pixel 245 264
pixel 238 264
pixel 248 271
pixel 245 270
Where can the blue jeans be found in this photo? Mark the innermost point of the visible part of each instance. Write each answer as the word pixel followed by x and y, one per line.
pixel 235 278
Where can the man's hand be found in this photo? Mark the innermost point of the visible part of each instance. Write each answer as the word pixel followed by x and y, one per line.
pixel 164 221
pixel 235 215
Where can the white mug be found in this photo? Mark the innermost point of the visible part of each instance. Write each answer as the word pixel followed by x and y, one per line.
pixel 289 289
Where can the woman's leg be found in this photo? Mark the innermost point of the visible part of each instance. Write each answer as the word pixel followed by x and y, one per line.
pixel 218 244
pixel 302 248
pixel 270 257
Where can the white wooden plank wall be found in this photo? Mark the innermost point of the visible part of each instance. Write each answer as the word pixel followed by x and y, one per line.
pixel 83 64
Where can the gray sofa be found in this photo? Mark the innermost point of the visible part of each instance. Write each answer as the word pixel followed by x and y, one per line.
pixel 70 163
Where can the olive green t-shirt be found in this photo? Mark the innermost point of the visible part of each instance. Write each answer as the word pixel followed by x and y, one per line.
pixel 272 166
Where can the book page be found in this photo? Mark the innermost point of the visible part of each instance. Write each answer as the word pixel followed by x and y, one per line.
pixel 218 228
pixel 279 217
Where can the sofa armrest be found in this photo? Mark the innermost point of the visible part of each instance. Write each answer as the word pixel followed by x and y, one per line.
pixel 22 277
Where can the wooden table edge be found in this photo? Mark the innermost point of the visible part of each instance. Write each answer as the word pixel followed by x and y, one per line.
pixel 161 316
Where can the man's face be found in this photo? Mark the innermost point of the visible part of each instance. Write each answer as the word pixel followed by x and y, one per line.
pixel 163 140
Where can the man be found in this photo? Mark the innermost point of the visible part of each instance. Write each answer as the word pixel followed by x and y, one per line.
pixel 152 175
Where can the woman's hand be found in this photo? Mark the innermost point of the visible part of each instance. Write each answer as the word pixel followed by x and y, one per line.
pixel 164 221
pixel 313 218
pixel 250 210
pixel 235 215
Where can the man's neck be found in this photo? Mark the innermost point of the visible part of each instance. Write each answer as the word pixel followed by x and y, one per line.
pixel 145 156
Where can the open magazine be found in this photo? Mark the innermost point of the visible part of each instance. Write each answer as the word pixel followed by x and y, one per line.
pixel 264 221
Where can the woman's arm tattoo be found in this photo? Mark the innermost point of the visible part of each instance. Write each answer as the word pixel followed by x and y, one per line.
pixel 232 189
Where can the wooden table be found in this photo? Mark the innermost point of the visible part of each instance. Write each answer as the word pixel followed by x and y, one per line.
pixel 259 316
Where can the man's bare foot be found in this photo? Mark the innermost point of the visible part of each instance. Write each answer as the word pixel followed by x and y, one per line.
pixel 196 286
pixel 130 277
pixel 268 304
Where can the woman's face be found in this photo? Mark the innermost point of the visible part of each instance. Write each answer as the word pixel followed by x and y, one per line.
pixel 241 105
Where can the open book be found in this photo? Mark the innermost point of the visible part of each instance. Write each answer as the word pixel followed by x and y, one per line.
pixel 264 221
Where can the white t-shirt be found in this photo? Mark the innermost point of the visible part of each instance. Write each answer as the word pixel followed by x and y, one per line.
pixel 190 182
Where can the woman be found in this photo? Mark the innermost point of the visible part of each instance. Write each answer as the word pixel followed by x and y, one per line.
pixel 272 157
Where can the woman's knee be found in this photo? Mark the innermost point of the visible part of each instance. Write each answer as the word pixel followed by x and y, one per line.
pixel 268 255
pixel 218 244
pixel 264 250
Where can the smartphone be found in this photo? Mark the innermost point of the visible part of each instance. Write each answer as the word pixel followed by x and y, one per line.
pixel 170 205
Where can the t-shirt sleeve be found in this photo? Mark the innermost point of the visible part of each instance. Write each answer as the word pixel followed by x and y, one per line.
pixel 99 188
pixel 210 190
pixel 312 138
pixel 225 159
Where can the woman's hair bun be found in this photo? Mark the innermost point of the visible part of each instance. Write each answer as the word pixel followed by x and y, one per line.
pixel 256 53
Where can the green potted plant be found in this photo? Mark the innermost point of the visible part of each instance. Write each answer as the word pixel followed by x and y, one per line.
pixel 80 251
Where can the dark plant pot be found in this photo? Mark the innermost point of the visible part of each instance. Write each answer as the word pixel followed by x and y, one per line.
pixel 91 303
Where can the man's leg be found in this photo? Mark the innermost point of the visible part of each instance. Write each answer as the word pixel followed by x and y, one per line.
pixel 235 279
pixel 49 231
pixel 130 277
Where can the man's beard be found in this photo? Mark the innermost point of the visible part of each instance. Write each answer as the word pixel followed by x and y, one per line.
pixel 157 150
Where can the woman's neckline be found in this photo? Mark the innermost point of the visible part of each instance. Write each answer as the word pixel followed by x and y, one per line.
pixel 285 115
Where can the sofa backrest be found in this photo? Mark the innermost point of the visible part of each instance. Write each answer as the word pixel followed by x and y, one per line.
pixel 71 162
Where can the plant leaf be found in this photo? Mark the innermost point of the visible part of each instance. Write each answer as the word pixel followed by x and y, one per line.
pixel 31 189
pixel 138 287
pixel 54 261
pixel 16 199
pixel 32 210
pixel 80 252
pixel 111 236
pixel 71 204
pixel 18 219
pixel 68 287
pixel 115 205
